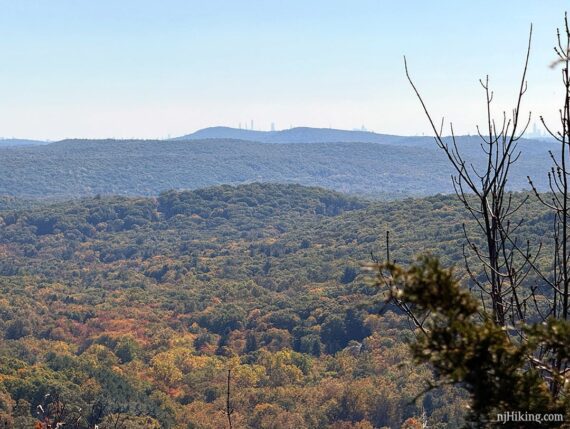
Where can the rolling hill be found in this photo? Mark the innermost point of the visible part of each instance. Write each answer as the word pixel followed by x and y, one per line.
pixel 136 307
pixel 21 142
pixel 139 306
pixel 411 167
pixel 293 135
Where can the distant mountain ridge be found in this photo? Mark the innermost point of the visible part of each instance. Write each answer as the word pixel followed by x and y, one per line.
pixel 21 142
pixel 328 135
pixel 296 135
pixel 291 135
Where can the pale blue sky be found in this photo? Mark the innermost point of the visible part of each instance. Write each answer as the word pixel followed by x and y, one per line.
pixel 109 68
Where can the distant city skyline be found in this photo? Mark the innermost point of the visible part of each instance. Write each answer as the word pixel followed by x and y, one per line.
pixel 149 69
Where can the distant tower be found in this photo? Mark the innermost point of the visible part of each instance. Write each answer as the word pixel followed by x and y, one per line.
pixel 252 124
pixel 272 126
pixel 240 125
pixel 534 130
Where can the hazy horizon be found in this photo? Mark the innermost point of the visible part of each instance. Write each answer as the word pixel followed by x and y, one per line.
pixel 528 135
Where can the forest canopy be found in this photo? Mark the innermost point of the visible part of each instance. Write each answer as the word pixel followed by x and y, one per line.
pixel 137 306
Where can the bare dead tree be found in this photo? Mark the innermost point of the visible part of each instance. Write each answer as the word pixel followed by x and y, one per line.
pixel 229 410
pixel 557 200
pixel 384 277
pixel 483 192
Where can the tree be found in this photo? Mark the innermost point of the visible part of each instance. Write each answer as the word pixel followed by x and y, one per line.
pixel 127 349
pixel 17 329
pixel 497 372
pixel 333 334
pixel 250 343
pixel 348 275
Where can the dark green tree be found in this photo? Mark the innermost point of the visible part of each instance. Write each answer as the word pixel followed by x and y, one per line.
pixel 501 375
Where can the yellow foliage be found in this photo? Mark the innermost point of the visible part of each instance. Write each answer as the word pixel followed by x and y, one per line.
pixel 185 340
pixel 248 375
pixel 280 368
pixel 164 366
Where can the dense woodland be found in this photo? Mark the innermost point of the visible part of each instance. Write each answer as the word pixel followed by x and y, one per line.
pixel 133 309
pixel 405 167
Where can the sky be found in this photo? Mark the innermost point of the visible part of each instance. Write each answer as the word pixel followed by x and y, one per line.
pixel 153 69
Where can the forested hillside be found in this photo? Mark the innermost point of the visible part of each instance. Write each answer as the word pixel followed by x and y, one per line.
pixel 131 307
pixel 21 142
pixel 77 168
